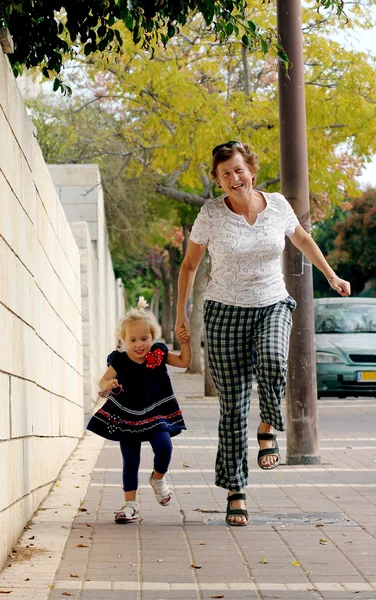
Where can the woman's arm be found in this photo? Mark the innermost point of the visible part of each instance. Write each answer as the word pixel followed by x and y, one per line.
pixel 187 274
pixel 305 243
pixel 108 382
pixel 180 360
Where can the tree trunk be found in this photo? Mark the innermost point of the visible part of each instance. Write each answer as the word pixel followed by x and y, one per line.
pixel 196 317
pixel 166 320
pixel 154 305
pixel 174 269
pixel 186 232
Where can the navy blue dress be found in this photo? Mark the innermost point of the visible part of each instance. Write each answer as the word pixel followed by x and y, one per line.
pixel 147 403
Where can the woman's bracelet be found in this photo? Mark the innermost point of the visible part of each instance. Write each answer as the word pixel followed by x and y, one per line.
pixel 332 277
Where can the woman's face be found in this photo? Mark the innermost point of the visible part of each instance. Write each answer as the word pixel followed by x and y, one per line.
pixel 234 177
pixel 138 340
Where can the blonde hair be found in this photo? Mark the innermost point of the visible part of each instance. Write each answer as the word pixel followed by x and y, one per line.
pixel 139 314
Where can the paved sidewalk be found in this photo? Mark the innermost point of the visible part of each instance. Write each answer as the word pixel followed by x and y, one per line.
pixel 312 531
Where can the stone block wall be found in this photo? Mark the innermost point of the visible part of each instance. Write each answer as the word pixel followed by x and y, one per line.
pixel 81 195
pixel 59 308
pixel 41 375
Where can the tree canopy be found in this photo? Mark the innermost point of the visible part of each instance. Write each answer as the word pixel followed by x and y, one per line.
pixel 44 33
pixel 164 115
pixel 356 235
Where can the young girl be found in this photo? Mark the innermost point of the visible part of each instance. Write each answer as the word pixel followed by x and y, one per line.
pixel 141 405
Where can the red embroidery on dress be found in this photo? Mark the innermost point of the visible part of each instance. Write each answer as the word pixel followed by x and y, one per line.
pixel 154 359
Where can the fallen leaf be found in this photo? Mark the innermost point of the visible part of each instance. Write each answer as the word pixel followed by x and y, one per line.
pixel 320 525
pixel 296 563
pixel 4 592
pixel 263 561
pixel 193 566
pixel 221 596
pixel 64 527
pixel 89 524
pixel 82 509
pixel 73 575
pixel 27 579
pixel 66 594
pixel 58 485
pixel 185 465
pixel 132 564
pixel 323 541
pixel 202 543
pixel 81 546
pixel 32 537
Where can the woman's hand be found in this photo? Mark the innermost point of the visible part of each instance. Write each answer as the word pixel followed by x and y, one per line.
pixel 182 330
pixel 341 286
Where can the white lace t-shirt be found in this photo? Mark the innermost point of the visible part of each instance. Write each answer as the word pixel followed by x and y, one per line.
pixel 246 259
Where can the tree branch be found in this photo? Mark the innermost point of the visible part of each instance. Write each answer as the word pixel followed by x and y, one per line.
pixel 267 182
pixel 184 197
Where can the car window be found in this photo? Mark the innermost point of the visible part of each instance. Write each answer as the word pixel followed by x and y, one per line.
pixel 342 318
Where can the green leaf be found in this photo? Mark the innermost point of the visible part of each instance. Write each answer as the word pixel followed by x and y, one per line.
pixel 252 26
pixel 245 40
pixel 88 48
pixel 55 88
pixel 264 45
pixel 170 30
pixel 229 29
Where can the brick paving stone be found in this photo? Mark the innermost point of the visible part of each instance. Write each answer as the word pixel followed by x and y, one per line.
pixel 162 546
pixel 108 595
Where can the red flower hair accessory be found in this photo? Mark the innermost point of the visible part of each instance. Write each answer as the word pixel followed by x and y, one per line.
pixel 154 359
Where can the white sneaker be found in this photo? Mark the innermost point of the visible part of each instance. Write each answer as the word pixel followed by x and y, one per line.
pixel 161 491
pixel 127 513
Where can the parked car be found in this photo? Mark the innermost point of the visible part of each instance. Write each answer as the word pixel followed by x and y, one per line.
pixel 345 346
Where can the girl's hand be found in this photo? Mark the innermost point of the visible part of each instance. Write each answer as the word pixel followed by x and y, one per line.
pixel 182 330
pixel 110 385
pixel 341 286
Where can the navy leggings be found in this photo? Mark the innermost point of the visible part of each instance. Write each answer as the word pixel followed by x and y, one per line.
pixel 131 451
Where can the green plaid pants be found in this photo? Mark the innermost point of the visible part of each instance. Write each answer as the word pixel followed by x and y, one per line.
pixel 232 332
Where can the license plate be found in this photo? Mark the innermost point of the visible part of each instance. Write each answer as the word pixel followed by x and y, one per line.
pixel 366 376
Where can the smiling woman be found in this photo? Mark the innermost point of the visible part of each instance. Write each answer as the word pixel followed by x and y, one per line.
pixel 246 308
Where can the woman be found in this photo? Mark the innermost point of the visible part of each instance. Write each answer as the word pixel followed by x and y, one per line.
pixel 246 306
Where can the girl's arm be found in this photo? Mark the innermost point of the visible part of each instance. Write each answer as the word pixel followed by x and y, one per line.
pixel 180 360
pixel 305 243
pixel 192 259
pixel 108 381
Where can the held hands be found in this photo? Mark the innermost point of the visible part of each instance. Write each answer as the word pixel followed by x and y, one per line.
pixel 340 285
pixel 182 330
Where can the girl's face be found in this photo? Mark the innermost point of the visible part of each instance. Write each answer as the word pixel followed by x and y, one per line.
pixel 234 176
pixel 138 340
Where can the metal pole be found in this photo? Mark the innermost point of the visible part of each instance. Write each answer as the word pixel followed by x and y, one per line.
pixel 301 396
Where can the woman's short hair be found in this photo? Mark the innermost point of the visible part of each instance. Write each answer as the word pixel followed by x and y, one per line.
pixel 226 152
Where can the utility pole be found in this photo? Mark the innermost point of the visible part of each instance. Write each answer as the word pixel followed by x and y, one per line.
pixel 301 396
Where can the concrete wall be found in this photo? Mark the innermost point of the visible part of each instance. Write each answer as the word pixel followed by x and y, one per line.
pixel 81 195
pixel 56 333
pixel 41 378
